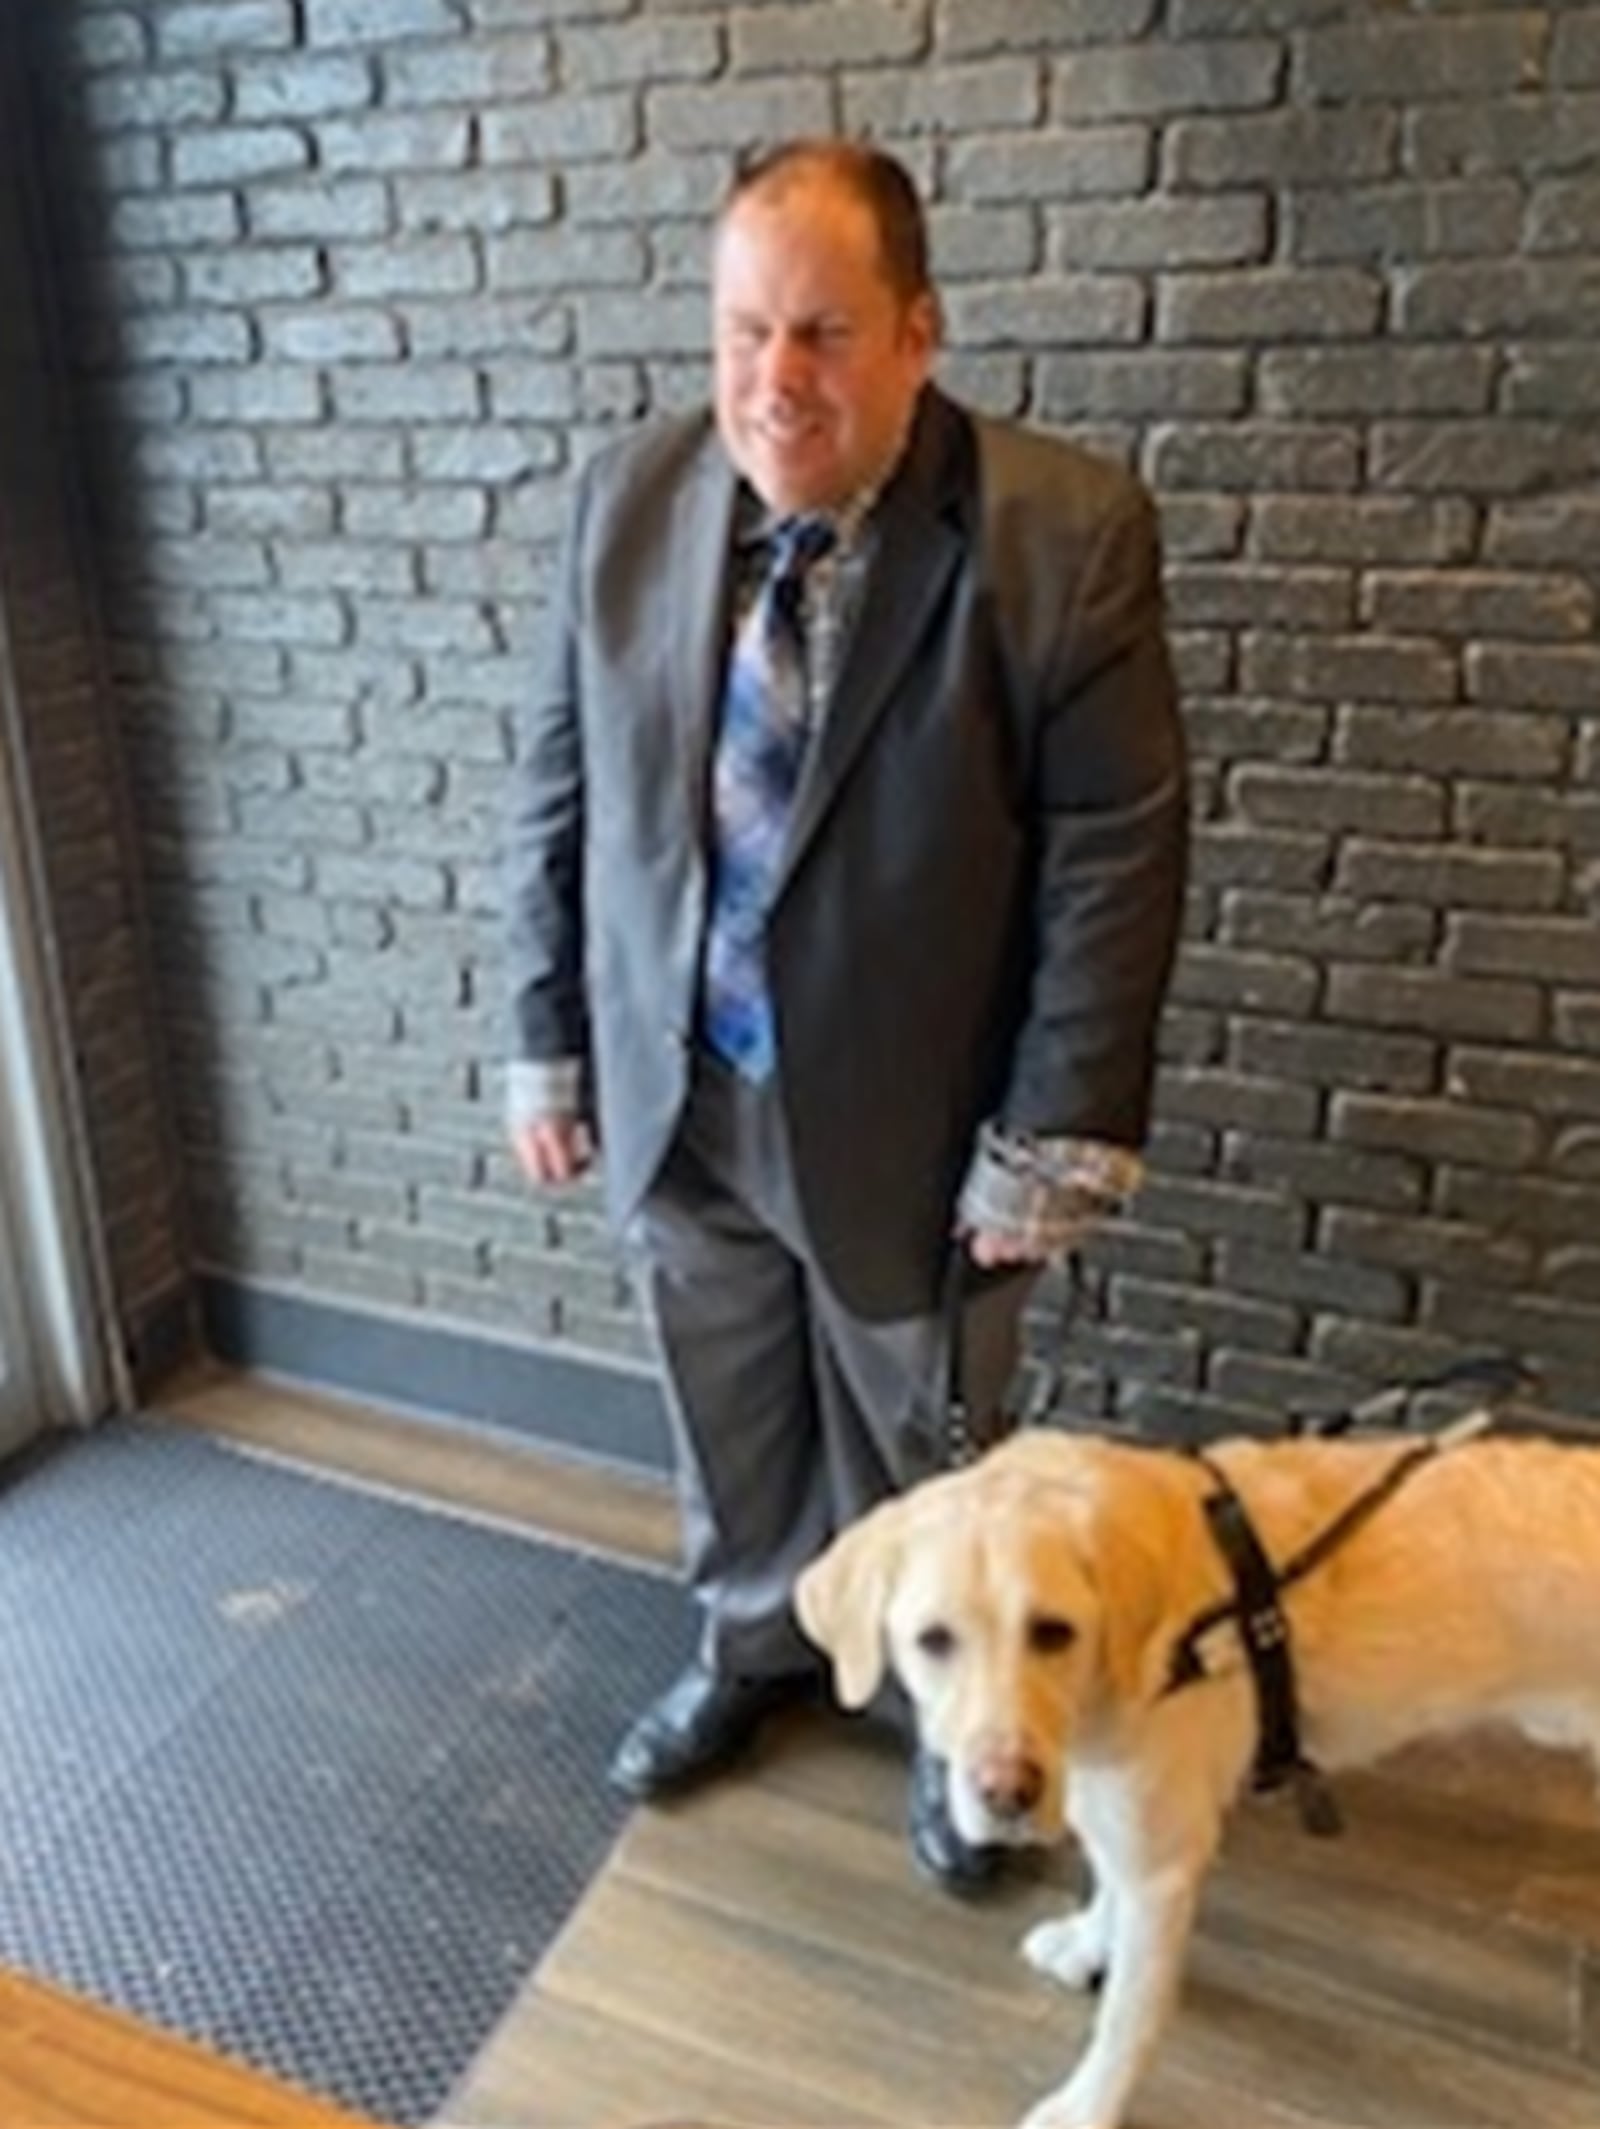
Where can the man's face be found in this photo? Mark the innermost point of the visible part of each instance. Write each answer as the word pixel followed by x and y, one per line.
pixel 818 360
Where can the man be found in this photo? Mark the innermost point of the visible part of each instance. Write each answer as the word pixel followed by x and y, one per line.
pixel 846 871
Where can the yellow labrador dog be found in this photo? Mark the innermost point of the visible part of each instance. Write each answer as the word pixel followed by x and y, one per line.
pixel 1031 1606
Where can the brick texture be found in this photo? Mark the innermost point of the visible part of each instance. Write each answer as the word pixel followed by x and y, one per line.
pixel 362 285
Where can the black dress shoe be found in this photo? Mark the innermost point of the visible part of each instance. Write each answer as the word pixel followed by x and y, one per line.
pixel 700 1725
pixel 939 1852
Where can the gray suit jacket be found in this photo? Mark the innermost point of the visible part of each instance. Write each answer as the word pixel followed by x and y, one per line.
pixel 981 895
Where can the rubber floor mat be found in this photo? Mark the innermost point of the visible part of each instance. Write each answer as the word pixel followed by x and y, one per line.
pixel 303 1772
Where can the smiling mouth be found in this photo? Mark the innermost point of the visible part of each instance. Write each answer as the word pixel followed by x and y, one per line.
pixel 784 429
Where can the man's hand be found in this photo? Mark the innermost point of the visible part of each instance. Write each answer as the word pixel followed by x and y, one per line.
pixel 556 1149
pixel 992 1247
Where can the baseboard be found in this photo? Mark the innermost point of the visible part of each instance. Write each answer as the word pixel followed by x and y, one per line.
pixel 162 1334
pixel 555 1400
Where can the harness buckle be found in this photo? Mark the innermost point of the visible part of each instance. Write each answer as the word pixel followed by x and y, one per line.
pixel 1265 1628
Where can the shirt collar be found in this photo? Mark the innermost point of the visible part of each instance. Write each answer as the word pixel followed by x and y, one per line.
pixel 755 524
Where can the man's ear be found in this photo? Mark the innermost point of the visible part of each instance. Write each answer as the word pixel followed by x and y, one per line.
pixel 842 1597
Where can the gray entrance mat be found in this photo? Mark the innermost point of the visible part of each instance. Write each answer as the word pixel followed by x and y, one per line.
pixel 302 1772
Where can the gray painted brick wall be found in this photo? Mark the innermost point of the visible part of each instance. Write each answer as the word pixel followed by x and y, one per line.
pixel 374 276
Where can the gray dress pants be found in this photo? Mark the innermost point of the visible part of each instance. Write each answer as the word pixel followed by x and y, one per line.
pixel 790 1415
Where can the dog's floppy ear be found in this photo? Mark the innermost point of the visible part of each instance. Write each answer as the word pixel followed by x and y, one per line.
pixel 1139 1549
pixel 841 1599
pixel 1136 1605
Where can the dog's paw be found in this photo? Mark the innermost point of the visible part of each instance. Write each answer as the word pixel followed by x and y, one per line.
pixel 1073 1952
pixel 1058 2110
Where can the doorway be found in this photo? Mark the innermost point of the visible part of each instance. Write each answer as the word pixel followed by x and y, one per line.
pixel 56 1354
pixel 20 1404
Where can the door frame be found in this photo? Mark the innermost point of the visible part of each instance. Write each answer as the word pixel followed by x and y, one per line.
pixel 70 1370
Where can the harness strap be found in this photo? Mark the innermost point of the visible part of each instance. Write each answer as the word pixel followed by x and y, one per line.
pixel 1263 1628
pixel 1360 1511
pixel 1496 1376
pixel 967 1434
pixel 961 1446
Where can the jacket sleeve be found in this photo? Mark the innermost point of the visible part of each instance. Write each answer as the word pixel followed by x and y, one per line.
pixel 544 837
pixel 1107 800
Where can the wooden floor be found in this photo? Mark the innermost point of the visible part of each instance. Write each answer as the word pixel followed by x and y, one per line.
pixel 67 2064
pixel 762 1955
pixel 472 1472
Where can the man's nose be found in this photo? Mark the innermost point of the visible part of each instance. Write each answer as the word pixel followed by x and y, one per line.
pixel 785 362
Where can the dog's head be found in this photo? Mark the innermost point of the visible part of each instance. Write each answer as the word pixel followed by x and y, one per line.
pixel 1018 1602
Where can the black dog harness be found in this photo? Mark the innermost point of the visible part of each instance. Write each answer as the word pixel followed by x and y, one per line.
pixel 1254 1607
pixel 1257 1612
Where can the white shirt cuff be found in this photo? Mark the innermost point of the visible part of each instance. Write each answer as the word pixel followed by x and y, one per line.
pixel 1045 1193
pixel 535 1090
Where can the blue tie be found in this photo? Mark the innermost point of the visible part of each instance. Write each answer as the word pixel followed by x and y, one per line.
pixel 761 743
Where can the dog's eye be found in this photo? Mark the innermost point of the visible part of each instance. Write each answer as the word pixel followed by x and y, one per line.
pixel 1049 1637
pixel 937 1642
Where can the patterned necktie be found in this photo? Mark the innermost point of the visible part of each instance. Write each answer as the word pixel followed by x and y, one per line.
pixel 760 746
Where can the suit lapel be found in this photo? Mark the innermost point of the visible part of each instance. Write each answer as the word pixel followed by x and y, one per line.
pixel 922 538
pixel 697 564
